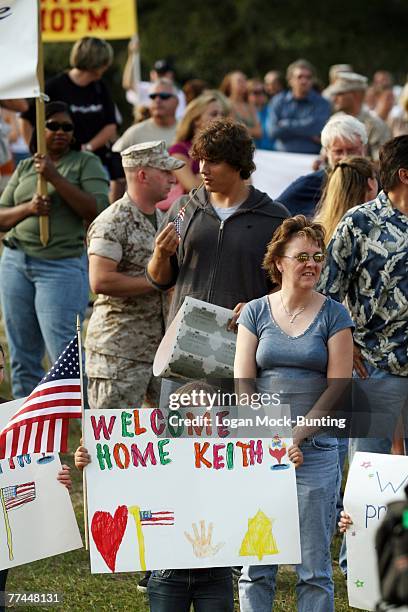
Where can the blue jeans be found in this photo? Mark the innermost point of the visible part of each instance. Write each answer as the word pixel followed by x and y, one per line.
pixel 317 482
pixel 40 300
pixel 385 395
pixel 209 590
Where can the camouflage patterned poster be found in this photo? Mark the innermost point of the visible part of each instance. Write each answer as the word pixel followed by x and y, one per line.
pixel 197 343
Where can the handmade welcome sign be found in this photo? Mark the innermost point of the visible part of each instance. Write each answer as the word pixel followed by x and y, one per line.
pixel 165 493
pixel 37 519
pixel 374 480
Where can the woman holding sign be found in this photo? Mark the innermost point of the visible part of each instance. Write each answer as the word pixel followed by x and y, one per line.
pixel 43 288
pixel 301 341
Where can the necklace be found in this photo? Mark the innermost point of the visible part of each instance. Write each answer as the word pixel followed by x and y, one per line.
pixel 292 315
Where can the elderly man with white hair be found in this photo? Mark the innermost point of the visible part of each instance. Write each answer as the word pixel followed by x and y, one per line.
pixel 162 122
pixel 343 135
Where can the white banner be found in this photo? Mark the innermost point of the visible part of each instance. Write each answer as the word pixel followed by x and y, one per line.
pixel 160 495
pixel 373 481
pixel 18 49
pixel 275 170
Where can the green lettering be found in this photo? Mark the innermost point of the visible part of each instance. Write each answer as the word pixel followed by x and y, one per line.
pixel 162 453
pixel 126 418
pixel 103 454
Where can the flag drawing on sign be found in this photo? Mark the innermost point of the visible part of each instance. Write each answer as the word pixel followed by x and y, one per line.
pixel 147 517
pixel 11 498
pixel 41 423
pixel 178 220
pixel 143 518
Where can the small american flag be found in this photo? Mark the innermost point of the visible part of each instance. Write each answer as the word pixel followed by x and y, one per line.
pixel 178 220
pixel 41 424
pixel 165 517
pixel 18 495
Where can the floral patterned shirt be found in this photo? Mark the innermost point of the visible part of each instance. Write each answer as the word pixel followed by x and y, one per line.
pixel 368 269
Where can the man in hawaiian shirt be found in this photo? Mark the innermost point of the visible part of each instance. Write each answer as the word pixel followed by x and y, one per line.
pixel 368 267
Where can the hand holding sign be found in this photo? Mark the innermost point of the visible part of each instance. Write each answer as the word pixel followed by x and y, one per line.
pixel 201 544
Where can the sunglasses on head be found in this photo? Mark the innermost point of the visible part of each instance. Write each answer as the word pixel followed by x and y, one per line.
pixel 54 126
pixel 305 257
pixel 162 96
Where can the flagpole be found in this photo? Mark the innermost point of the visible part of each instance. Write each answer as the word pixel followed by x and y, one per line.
pixel 81 382
pixel 7 526
pixel 40 127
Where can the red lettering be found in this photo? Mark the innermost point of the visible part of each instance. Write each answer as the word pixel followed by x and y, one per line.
pixel 139 458
pixel 223 431
pixel 245 448
pixel 157 422
pixel 199 452
pixel 98 22
pixel 255 452
pixel 75 16
pixel 218 460
pixel 117 449
pixel 136 419
pixel 57 20
pixel 205 419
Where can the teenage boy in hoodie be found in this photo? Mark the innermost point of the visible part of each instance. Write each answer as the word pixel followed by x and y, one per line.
pixel 215 249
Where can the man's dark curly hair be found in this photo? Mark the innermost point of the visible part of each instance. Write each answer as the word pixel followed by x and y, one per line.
pixel 224 140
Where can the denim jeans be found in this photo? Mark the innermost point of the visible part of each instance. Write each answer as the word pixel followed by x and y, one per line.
pixel 209 590
pixel 386 397
pixel 40 299
pixel 317 482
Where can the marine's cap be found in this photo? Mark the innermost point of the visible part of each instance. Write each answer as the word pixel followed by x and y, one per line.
pixel 348 81
pixel 153 154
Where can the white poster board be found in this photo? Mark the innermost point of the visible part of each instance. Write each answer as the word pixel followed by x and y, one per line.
pixel 186 502
pixel 37 519
pixel 373 481
pixel 275 170
pixel 18 49
pixel 197 344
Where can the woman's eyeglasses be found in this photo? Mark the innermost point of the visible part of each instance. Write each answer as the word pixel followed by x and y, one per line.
pixel 162 96
pixel 54 126
pixel 305 257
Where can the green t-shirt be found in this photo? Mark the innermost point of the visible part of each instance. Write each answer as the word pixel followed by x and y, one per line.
pixel 66 227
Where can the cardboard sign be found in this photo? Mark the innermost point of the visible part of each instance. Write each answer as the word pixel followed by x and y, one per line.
pixel 197 344
pixel 168 491
pixel 69 20
pixel 374 480
pixel 37 519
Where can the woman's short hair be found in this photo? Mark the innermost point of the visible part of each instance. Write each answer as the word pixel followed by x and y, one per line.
pixel 224 140
pixel 91 53
pixel 187 125
pixel 290 228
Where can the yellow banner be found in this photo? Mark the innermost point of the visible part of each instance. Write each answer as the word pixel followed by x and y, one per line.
pixel 69 20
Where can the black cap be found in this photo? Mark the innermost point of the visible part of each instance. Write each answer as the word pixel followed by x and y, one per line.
pixel 162 66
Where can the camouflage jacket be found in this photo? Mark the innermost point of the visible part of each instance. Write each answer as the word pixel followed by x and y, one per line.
pixel 130 327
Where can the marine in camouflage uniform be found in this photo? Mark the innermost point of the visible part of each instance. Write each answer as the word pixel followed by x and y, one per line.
pixel 124 332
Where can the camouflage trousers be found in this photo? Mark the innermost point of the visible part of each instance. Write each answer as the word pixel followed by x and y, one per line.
pixel 119 383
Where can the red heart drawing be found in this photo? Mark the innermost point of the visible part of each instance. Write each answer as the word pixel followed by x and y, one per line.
pixel 107 532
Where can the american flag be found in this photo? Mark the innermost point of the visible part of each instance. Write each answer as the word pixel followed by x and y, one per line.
pixel 165 517
pixel 178 220
pixel 41 424
pixel 18 495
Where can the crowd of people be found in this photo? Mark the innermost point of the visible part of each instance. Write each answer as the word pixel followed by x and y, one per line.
pixel 317 279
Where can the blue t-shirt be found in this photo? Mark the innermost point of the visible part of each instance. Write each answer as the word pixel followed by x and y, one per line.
pixel 295 367
pixel 300 356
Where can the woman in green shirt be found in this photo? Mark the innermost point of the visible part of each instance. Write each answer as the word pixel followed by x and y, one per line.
pixel 42 289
